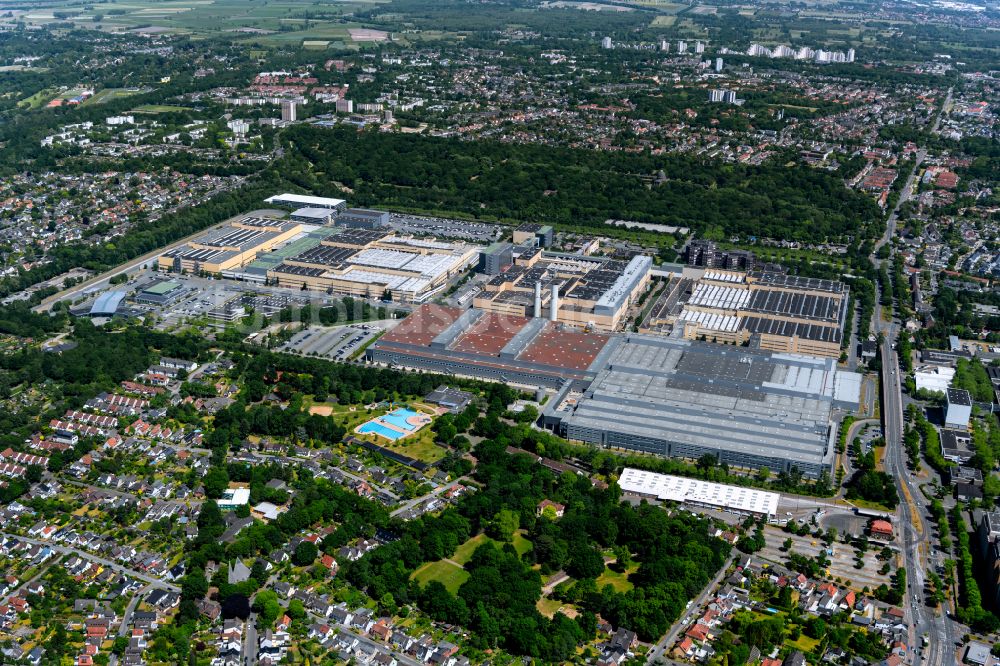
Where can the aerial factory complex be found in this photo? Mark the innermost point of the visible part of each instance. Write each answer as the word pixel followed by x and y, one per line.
pixel 734 363
pixel 727 357
pixel 721 355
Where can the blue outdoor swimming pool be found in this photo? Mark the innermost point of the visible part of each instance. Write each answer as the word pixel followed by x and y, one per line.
pixel 398 418
pixel 380 429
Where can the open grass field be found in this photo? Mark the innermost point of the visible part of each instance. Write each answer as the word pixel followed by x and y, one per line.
pixel 548 607
pixel 803 643
pixel 450 575
pixel 23 68
pixel 521 543
pixel 39 99
pixel 420 446
pixel 618 580
pixel 327 32
pixel 662 21
pixel 464 552
pixel 662 5
pixel 110 94
pixel 158 108
pixel 449 572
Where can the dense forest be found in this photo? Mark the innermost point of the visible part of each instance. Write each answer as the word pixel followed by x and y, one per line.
pixel 497 181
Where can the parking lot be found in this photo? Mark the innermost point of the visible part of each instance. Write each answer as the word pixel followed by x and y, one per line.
pixel 841 561
pixel 203 298
pixel 335 343
pixel 480 232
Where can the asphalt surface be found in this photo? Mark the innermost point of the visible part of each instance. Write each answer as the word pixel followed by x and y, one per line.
pixel 125 626
pixel 913 534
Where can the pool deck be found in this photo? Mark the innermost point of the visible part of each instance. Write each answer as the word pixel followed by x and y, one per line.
pixel 402 431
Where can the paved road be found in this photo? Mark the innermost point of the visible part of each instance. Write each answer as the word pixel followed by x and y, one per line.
pixel 45 567
pixel 125 626
pixel 152 580
pixel 250 641
pixel 409 504
pixel 914 535
pixel 661 649
pixel 123 630
pixel 364 641
pixel 100 489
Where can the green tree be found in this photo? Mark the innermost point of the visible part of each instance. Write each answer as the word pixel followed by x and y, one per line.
pixel 305 553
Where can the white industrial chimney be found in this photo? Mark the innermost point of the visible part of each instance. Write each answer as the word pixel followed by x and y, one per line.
pixel 538 299
pixel 554 303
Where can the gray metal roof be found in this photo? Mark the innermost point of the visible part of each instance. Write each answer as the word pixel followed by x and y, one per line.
pixel 716 396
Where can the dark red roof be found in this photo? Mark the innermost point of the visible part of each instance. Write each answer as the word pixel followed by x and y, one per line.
pixel 565 348
pixel 490 334
pixel 423 325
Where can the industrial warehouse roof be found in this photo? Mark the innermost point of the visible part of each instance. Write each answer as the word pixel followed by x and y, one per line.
pixel 718 397
pixel 305 200
pixel 694 491
pixel 107 303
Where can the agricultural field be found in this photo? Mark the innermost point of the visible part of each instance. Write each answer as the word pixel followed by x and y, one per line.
pixel 198 17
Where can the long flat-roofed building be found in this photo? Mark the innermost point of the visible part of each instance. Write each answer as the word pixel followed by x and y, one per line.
pixel 695 492
pixel 682 398
pixel 305 200
pixel 229 247
pixel 493 346
pixel 368 263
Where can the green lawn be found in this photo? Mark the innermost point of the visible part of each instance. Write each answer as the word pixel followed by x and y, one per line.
pixel 521 543
pixel 619 581
pixel 548 607
pixel 39 99
pixel 865 504
pixel 451 574
pixel 804 643
pixel 446 573
pixel 420 446
pixel 464 552
pixel 109 94
pixel 159 108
